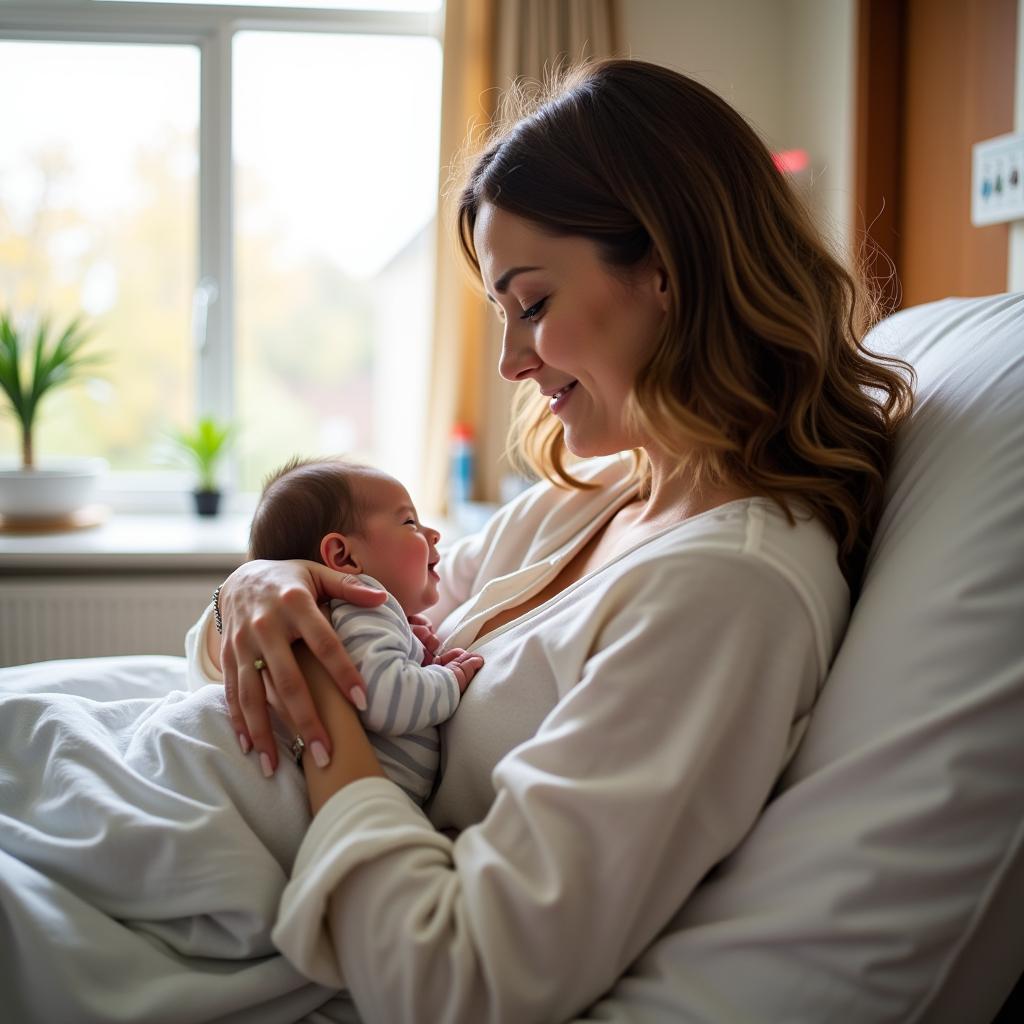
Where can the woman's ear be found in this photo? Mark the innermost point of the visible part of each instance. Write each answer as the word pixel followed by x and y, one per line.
pixel 661 279
pixel 335 553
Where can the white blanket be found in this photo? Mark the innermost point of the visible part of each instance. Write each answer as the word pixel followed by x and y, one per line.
pixel 142 858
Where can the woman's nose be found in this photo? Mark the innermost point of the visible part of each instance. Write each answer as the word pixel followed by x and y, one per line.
pixel 518 359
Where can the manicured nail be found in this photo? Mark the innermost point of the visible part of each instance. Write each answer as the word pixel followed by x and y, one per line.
pixel 243 742
pixel 319 752
pixel 358 698
pixel 268 768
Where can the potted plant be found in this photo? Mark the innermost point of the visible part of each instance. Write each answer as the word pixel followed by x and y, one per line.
pixel 203 447
pixel 34 364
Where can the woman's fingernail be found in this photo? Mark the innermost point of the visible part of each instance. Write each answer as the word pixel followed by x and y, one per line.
pixel 319 752
pixel 268 768
pixel 358 698
pixel 243 742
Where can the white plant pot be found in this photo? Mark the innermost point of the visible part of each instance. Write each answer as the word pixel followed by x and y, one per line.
pixel 53 490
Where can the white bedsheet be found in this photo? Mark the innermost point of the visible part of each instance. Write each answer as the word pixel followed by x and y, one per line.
pixel 142 857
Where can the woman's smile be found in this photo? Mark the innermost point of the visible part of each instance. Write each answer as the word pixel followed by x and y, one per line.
pixel 560 397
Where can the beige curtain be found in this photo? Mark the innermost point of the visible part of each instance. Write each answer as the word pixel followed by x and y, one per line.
pixel 532 35
pixel 487 44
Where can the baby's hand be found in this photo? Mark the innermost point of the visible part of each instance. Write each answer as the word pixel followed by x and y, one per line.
pixel 423 630
pixel 463 664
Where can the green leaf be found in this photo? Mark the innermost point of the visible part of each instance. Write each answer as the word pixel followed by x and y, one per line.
pixel 204 446
pixel 29 369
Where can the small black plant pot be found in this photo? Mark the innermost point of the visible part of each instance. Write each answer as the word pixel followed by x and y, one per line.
pixel 207 502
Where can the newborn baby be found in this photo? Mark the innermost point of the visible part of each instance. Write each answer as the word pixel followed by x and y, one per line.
pixel 361 521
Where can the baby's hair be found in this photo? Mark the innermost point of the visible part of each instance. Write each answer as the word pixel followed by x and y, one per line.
pixel 301 503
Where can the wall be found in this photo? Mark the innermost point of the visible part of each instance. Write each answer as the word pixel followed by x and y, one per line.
pixel 735 47
pixel 786 65
pixel 819 96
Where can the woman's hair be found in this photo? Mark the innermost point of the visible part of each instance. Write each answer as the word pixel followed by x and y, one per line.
pixel 301 503
pixel 760 378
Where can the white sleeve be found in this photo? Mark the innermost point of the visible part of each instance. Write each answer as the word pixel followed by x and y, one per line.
pixel 403 696
pixel 200 669
pixel 646 774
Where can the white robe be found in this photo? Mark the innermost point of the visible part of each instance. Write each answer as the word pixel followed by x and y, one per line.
pixel 619 742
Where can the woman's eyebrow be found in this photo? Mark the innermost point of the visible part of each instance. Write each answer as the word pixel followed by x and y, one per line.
pixel 501 285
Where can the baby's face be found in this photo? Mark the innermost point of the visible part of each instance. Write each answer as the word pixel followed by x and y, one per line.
pixel 393 546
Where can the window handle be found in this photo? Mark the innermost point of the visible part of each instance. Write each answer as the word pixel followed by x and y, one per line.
pixel 203 297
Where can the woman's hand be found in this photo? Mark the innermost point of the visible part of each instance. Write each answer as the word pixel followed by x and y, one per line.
pixel 265 607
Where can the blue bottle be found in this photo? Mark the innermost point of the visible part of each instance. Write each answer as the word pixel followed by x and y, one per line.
pixel 460 468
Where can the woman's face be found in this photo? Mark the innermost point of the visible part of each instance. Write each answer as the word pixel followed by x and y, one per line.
pixel 570 323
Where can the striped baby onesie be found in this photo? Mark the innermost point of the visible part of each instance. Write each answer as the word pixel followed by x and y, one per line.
pixel 406 700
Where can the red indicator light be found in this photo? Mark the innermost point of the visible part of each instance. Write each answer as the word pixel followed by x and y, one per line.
pixel 791 161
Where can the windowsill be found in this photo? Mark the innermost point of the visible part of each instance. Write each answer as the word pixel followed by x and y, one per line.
pixel 130 542
pixel 166 542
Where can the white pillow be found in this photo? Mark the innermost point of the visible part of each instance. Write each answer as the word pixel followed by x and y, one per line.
pixel 885 881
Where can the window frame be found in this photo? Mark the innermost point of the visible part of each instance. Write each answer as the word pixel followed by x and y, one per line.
pixel 210 28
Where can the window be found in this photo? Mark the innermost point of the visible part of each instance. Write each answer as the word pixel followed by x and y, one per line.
pixel 371 5
pixel 100 218
pixel 245 212
pixel 334 243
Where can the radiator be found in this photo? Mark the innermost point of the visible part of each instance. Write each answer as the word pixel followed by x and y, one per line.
pixel 92 616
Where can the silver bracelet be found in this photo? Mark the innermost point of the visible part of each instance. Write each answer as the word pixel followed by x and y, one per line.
pixel 216 611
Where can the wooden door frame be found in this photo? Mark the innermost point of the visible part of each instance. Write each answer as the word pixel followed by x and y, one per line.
pixel 878 177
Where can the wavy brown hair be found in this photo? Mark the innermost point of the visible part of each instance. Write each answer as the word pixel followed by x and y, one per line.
pixel 760 378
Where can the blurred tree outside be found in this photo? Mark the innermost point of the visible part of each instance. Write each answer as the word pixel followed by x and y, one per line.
pixel 132 273
pixel 305 347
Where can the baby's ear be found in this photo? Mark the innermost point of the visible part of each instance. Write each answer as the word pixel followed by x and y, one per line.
pixel 335 553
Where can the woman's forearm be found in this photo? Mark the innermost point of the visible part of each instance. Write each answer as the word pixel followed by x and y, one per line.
pixel 353 756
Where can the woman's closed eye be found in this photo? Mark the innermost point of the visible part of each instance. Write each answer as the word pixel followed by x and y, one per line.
pixel 534 311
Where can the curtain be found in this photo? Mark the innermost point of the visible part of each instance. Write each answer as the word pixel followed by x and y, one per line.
pixel 531 35
pixel 487 44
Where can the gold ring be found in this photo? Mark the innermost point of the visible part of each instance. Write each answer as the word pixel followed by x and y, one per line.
pixel 259 664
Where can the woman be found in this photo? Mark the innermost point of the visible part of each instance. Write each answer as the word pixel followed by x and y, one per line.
pixel 656 627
